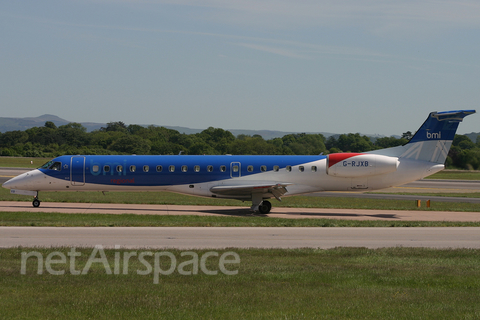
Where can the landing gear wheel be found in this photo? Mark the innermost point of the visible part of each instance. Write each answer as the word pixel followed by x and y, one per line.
pixel 36 203
pixel 265 207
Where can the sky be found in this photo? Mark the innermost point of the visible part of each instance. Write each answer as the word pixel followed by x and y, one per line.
pixel 340 66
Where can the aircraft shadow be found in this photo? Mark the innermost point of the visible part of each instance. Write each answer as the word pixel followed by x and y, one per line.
pixel 237 212
pixel 246 212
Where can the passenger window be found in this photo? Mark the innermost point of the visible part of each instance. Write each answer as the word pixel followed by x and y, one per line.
pixel 95 168
pixel 171 168
pixel 133 168
pixel 184 168
pixel 196 168
pixel 106 168
pixel 288 168
pixel 301 168
pixel 223 168
pixel 276 168
pixel 159 168
pixel 235 168
pixel 263 168
pixel 146 168
pixel 209 168
pixel 314 168
pixel 119 168
pixel 250 168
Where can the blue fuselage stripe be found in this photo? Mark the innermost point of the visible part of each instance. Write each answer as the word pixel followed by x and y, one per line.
pixel 94 170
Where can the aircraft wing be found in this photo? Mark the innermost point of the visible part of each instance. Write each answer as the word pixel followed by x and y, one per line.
pixel 276 189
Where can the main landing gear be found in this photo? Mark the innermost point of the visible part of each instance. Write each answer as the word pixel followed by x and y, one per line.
pixel 36 202
pixel 260 205
pixel 265 207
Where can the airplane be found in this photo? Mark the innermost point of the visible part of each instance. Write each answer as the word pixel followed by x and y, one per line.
pixel 250 177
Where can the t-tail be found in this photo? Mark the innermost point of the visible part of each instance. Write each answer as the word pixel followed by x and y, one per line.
pixel 433 140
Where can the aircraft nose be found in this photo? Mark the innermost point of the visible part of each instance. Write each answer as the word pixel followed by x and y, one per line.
pixel 8 184
pixel 25 181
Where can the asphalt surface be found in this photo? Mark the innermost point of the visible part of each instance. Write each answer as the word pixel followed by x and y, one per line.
pixel 231 237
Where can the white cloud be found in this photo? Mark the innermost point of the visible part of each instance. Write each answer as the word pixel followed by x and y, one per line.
pixel 377 16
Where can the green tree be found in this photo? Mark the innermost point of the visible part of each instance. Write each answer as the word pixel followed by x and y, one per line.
pixel 42 135
pixel 407 135
pixel 389 142
pixel 131 144
pixel 11 138
pixel 73 134
pixel 463 142
pixel 115 126
pixel 50 124
pixel 218 139
pixel 137 129
pixel 251 146
pixel 354 143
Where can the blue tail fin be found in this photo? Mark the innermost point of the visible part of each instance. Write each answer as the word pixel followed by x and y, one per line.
pixel 440 126
pixel 433 140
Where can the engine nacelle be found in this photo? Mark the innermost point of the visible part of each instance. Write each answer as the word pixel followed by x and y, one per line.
pixel 352 165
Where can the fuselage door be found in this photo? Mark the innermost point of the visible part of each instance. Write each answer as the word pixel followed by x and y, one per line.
pixel 77 170
pixel 235 168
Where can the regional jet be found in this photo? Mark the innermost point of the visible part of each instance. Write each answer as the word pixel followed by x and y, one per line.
pixel 247 177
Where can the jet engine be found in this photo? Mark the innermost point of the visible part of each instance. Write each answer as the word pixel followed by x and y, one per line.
pixel 352 165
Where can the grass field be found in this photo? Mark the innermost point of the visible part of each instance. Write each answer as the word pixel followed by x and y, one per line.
pixel 341 283
pixel 22 162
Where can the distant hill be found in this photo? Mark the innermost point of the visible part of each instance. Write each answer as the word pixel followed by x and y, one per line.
pixel 22 124
pixel 12 124
pixel 473 136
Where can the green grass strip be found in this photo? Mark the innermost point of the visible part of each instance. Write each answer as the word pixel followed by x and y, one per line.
pixel 341 283
pixel 456 175
pixel 40 219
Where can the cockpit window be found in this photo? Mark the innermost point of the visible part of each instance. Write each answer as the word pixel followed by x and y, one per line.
pixel 46 165
pixel 52 165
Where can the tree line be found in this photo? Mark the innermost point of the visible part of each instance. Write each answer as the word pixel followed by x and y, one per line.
pixel 118 138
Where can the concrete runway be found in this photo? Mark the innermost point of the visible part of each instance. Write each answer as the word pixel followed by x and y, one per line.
pixel 230 237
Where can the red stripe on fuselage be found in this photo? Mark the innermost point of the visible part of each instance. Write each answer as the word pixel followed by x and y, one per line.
pixel 335 158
